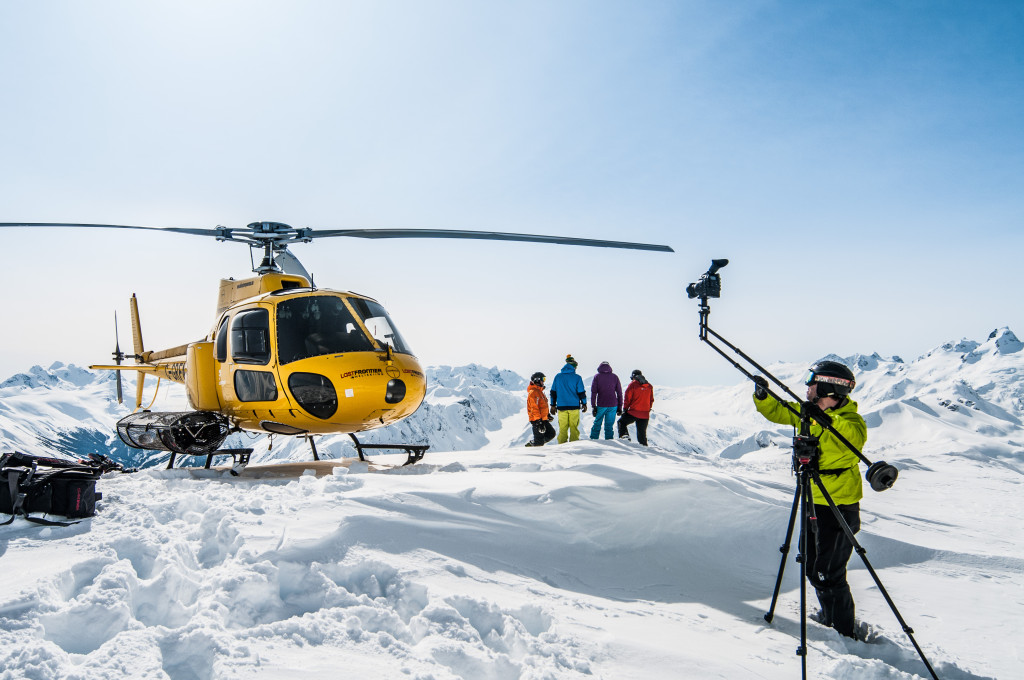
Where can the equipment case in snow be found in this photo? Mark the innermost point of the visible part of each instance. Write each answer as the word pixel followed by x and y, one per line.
pixel 49 486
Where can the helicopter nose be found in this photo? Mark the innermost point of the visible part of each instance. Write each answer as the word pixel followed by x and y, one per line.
pixel 395 391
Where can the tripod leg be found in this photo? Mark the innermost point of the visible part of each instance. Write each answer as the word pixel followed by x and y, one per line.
pixel 863 556
pixel 784 549
pixel 807 527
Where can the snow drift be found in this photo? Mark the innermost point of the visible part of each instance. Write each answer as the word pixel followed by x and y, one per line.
pixel 589 559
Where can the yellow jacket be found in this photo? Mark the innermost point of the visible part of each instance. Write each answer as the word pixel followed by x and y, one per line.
pixel 845 488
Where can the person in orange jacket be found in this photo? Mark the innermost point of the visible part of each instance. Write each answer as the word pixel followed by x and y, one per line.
pixel 537 411
pixel 636 407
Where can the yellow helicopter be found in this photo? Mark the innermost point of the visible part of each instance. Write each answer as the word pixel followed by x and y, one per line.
pixel 284 356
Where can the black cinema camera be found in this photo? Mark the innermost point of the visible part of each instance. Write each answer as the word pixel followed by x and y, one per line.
pixel 710 284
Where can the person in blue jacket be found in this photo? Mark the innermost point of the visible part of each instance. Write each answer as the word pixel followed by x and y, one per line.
pixel 568 398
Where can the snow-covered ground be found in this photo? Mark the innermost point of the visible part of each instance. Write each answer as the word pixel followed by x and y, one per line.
pixel 591 559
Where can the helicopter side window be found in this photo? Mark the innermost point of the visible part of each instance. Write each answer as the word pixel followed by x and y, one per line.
pixel 379 324
pixel 222 341
pixel 255 386
pixel 250 337
pixel 317 325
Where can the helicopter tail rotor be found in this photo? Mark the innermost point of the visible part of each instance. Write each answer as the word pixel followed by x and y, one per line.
pixel 118 358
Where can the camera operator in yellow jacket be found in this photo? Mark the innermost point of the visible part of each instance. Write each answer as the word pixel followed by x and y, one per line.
pixel 828 549
pixel 837 464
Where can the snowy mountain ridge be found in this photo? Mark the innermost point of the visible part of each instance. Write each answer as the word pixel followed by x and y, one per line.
pixel 71 411
pixel 57 375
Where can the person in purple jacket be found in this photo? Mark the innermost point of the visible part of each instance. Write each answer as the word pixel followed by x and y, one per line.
pixel 605 400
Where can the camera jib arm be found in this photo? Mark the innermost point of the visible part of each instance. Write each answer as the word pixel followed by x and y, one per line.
pixel 806 451
pixel 880 475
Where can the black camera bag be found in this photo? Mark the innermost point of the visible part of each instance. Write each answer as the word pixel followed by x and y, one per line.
pixel 68 489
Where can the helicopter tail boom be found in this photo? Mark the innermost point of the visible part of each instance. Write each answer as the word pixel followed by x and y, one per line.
pixel 141 368
pixel 167 363
pixel 172 353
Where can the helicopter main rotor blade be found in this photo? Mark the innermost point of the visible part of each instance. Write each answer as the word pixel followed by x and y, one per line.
pixel 277 234
pixel 178 230
pixel 485 235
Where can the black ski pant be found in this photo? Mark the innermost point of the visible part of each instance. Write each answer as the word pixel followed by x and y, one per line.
pixel 543 432
pixel 641 427
pixel 827 555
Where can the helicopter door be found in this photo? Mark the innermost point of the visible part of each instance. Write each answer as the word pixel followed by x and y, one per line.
pixel 250 337
pixel 251 349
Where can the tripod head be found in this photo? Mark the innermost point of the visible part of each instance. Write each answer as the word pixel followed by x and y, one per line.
pixel 805 452
pixel 880 475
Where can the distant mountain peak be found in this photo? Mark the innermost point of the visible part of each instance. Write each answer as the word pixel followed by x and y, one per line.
pixel 1005 341
pixel 1001 341
pixel 56 375
pixel 474 374
pixel 964 346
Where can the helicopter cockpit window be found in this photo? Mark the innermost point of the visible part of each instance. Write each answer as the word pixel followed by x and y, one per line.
pixel 379 324
pixel 312 326
pixel 250 337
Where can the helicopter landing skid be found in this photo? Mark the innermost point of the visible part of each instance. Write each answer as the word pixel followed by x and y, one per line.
pixel 239 456
pixel 414 451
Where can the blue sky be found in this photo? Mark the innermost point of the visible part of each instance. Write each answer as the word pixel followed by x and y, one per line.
pixel 861 165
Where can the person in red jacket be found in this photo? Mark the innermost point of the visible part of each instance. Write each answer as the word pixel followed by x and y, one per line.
pixel 636 407
pixel 537 411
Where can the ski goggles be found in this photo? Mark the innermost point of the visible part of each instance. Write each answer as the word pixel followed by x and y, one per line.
pixel 814 377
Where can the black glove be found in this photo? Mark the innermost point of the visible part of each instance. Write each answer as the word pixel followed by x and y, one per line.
pixel 760 388
pixel 550 418
pixel 618 411
pixel 583 407
pixel 815 413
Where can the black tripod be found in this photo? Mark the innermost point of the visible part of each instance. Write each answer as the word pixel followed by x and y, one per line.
pixel 806 452
pixel 805 464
